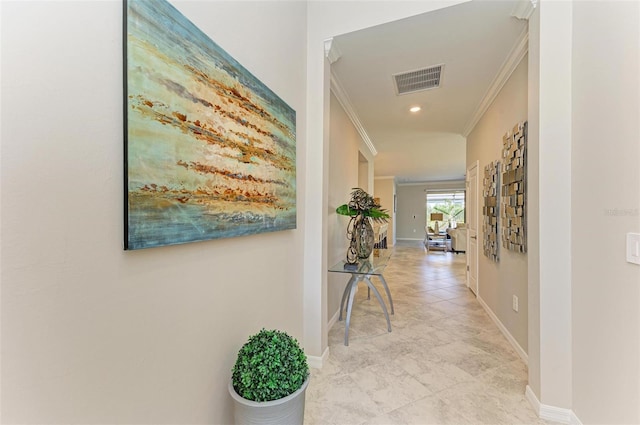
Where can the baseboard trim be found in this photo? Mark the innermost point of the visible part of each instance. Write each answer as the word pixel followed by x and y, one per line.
pixel 523 354
pixel 533 399
pixel 316 362
pixel 551 413
pixel 574 419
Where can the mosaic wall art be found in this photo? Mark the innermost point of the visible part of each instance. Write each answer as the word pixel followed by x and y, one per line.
pixel 210 151
pixel 490 210
pixel 514 200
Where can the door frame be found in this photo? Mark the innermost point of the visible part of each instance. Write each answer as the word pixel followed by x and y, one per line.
pixel 475 203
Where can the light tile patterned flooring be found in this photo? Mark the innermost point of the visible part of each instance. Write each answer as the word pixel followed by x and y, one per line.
pixel 445 361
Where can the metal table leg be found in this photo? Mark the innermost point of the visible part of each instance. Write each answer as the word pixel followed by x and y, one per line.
pixel 349 294
pixel 386 288
pixel 347 288
pixel 354 284
pixel 382 304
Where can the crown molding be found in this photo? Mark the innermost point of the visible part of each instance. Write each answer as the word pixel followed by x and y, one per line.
pixel 436 185
pixel 384 178
pixel 523 9
pixel 510 64
pixel 343 98
pixel 331 51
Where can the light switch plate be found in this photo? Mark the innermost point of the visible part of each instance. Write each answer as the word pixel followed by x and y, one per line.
pixel 633 248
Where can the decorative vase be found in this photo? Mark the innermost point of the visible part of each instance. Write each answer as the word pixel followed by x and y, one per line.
pixel 287 410
pixel 364 237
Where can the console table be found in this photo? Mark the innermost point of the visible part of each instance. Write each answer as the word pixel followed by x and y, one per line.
pixel 362 272
pixel 436 241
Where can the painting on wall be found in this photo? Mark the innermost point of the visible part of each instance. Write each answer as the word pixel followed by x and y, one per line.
pixel 514 200
pixel 210 151
pixel 490 210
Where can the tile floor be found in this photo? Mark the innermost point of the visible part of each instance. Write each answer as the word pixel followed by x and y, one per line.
pixel 445 361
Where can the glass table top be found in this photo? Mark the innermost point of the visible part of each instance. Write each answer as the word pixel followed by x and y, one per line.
pixel 374 265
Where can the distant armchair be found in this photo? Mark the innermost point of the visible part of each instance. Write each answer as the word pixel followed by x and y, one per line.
pixel 458 238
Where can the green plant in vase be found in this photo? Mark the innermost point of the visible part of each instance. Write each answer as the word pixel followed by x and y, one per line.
pixel 269 380
pixel 271 365
pixel 362 209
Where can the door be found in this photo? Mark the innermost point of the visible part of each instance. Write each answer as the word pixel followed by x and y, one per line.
pixel 472 226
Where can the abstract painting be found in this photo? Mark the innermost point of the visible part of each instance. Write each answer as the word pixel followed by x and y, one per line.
pixel 490 193
pixel 514 200
pixel 210 151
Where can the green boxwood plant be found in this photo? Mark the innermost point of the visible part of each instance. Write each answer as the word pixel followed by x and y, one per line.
pixel 270 366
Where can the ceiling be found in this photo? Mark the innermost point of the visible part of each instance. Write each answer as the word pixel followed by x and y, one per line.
pixel 473 40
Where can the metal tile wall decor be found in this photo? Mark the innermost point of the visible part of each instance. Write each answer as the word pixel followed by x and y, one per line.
pixel 514 184
pixel 491 196
pixel 210 150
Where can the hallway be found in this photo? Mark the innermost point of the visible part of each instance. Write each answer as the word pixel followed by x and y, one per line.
pixel 445 361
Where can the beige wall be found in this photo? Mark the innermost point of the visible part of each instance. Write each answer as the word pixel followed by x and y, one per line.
pixel 411 216
pixel 363 174
pixel 385 189
pixel 90 333
pixel 499 281
pixel 346 149
pixel 605 204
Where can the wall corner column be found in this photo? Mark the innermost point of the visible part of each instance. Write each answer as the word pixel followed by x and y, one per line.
pixel 550 144
pixel 316 203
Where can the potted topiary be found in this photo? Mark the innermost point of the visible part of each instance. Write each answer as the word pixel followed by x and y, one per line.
pixel 269 380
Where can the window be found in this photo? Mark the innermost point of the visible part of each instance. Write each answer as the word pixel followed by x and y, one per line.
pixel 450 204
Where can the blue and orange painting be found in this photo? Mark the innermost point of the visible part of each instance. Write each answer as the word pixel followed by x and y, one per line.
pixel 210 150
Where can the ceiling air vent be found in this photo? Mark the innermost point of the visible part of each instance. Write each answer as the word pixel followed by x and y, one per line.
pixel 418 80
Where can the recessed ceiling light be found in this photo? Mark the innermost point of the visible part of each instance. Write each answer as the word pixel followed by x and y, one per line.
pixel 415 108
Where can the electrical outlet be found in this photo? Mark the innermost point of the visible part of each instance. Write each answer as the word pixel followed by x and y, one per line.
pixel 633 248
pixel 515 303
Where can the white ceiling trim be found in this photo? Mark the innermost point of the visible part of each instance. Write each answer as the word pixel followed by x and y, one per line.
pixel 510 64
pixel 437 185
pixel 331 51
pixel 524 9
pixel 343 98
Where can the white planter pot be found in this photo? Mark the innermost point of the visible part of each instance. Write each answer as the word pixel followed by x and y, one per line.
pixel 288 410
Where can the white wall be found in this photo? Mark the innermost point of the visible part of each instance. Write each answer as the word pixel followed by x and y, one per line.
pixel 386 191
pixel 533 205
pixel 500 281
pixel 411 216
pixel 553 146
pixel 90 333
pixel 605 205
pixel 346 148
